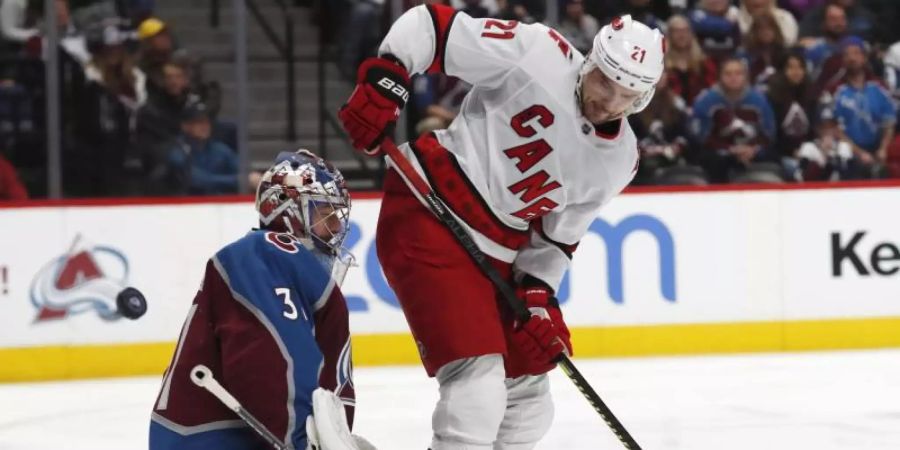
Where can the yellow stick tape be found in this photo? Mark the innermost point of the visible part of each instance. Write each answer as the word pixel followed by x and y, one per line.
pixel 89 361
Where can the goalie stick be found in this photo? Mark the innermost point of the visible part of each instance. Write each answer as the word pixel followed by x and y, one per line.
pixel 439 208
pixel 203 377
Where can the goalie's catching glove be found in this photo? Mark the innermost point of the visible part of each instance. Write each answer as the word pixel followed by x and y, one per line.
pixel 326 427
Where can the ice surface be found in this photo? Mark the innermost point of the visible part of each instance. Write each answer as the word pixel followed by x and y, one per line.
pixel 822 401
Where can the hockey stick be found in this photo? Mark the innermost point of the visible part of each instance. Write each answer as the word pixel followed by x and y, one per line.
pixel 203 377
pixel 437 206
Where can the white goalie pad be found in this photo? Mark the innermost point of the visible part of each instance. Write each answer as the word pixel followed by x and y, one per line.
pixel 327 429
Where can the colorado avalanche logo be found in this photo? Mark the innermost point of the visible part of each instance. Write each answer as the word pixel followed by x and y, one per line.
pixel 87 278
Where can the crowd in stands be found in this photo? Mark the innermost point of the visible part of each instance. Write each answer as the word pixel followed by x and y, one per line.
pixel 753 90
pixel 138 117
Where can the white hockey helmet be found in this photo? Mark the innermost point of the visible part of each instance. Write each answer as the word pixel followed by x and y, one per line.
pixel 631 54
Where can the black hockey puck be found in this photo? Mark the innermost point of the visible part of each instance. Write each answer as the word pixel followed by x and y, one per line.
pixel 131 303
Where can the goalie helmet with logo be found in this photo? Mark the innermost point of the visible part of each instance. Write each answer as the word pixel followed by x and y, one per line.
pixel 306 197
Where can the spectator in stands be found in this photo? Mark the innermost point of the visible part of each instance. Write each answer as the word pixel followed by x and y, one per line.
pixel 892 71
pixel 800 7
pixel 834 72
pixel 157 47
pixel 578 27
pixel 864 110
pixel 209 90
pixel 165 108
pixel 14 23
pixel 19 33
pixel 688 70
pixel 660 129
pixel 11 189
pixel 785 21
pixel 732 124
pixel 826 158
pixel 790 93
pixel 159 124
pixel 763 48
pixel 359 36
pixel 107 105
pixel 113 69
pixel 715 22
pixel 821 49
pixel 860 21
pixel 198 164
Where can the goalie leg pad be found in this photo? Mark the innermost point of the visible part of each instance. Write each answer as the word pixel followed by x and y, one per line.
pixel 473 399
pixel 529 413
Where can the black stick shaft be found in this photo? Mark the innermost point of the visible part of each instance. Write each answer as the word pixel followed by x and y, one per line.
pixel 439 208
pixel 568 367
pixel 260 429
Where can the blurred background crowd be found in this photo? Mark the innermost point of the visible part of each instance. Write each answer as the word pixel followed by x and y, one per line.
pixel 755 91
pixel 138 116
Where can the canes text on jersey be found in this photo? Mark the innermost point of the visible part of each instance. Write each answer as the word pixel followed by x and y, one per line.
pixel 533 188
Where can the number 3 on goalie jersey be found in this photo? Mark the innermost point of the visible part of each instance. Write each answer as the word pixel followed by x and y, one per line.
pixel 506 26
pixel 290 308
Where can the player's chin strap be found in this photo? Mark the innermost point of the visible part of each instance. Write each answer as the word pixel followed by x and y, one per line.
pixel 327 429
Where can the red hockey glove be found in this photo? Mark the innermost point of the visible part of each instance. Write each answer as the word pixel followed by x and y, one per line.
pixel 545 335
pixel 382 89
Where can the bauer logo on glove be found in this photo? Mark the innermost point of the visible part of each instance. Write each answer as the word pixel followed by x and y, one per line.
pixel 382 90
pixel 392 87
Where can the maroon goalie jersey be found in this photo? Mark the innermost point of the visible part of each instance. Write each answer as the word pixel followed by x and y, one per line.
pixel 272 326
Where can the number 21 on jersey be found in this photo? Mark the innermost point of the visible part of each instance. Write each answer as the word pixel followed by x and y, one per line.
pixel 505 29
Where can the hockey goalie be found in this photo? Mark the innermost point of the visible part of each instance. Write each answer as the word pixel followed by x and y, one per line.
pixel 270 323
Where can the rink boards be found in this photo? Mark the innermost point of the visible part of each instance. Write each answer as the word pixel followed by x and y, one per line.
pixel 681 272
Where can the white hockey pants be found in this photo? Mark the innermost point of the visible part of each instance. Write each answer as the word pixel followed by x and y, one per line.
pixel 479 409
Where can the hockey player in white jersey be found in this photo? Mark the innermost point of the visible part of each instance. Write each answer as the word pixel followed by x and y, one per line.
pixel 540 144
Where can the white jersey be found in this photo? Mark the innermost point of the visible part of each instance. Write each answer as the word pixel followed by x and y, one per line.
pixel 520 139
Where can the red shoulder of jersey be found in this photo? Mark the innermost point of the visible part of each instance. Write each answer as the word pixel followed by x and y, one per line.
pixel 442 18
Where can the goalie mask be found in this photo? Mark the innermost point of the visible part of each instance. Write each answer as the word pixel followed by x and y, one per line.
pixel 306 197
pixel 630 54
